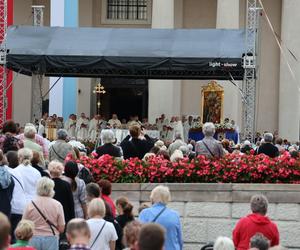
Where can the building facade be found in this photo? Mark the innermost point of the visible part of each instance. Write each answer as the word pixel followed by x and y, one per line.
pixel 277 90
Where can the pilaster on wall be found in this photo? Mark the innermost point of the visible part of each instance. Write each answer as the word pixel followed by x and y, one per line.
pixel 289 89
pixel 164 95
pixel 228 13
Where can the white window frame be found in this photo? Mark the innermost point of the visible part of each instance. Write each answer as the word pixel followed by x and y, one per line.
pixel 105 20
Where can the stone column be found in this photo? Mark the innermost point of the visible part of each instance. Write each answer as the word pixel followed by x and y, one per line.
pixel 228 14
pixel 164 95
pixel 37 80
pixel 228 18
pixel 289 104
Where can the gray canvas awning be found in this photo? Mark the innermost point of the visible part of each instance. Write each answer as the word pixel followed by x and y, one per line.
pixel 139 53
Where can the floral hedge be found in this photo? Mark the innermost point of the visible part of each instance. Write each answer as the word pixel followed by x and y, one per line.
pixel 230 169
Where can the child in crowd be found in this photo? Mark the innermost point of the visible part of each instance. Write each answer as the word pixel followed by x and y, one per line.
pixel 23 233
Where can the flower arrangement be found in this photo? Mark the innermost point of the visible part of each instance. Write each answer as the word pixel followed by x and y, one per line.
pixel 220 127
pixel 233 168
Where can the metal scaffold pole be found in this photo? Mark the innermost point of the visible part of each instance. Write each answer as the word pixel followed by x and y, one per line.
pixel 250 66
pixel 3 54
pixel 37 79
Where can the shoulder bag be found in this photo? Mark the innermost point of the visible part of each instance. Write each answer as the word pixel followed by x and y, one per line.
pixel 98 235
pixel 51 225
pixel 159 214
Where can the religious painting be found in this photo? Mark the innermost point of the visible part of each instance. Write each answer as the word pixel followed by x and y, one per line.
pixel 212 103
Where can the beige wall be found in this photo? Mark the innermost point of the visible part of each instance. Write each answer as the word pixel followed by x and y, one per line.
pixel 268 75
pixel 84 84
pixel 199 14
pixel 22 84
pixel 289 95
pixel 191 97
pixel 268 83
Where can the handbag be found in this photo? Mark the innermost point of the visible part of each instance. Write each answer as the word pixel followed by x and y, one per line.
pixel 51 225
pixel 59 156
pixel 63 242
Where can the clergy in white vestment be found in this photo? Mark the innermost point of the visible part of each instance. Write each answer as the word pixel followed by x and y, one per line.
pixel 94 128
pixel 167 134
pixel 162 121
pixel 42 129
pixel 82 128
pixel 70 126
pixel 177 126
pixel 114 122
pixel 176 144
pixel 186 128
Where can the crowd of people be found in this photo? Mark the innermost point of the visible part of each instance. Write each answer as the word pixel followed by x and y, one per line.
pixel 83 128
pixel 47 223
pixel 49 201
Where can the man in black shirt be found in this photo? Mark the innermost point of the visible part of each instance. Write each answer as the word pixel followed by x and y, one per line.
pixel 267 147
pixel 134 146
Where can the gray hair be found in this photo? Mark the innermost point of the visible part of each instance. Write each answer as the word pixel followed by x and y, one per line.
pixel 208 129
pixel 223 243
pixel 184 149
pixel 259 204
pixel 259 241
pixel 176 156
pixel 268 137
pixel 160 194
pixel 62 134
pixel 25 156
pixel 29 131
pixel 45 187
pixel 107 136
pixel 55 168
pixel 178 135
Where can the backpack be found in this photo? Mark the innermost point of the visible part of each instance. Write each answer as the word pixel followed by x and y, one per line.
pixel 85 175
pixel 10 143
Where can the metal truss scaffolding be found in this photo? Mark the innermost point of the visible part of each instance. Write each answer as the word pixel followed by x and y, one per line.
pixel 3 71
pixel 250 64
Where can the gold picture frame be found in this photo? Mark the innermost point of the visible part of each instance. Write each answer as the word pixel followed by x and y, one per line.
pixel 212 96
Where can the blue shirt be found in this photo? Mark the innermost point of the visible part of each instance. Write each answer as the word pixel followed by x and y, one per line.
pixel 170 220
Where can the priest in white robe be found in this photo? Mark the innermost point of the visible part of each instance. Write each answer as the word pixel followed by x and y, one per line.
pixel 177 126
pixel 114 122
pixel 94 128
pixel 42 129
pixel 70 126
pixel 82 128
pixel 162 121
pixel 186 128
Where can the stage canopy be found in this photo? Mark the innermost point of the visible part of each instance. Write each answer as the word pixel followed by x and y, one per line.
pixel 130 53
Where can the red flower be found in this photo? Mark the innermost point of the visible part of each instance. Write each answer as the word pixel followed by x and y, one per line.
pixel 231 169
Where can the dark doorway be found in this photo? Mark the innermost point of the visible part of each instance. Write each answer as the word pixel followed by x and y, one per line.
pixel 125 97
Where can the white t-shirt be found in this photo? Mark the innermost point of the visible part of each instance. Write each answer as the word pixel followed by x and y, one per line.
pixel 18 201
pixel 108 234
pixel 30 176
